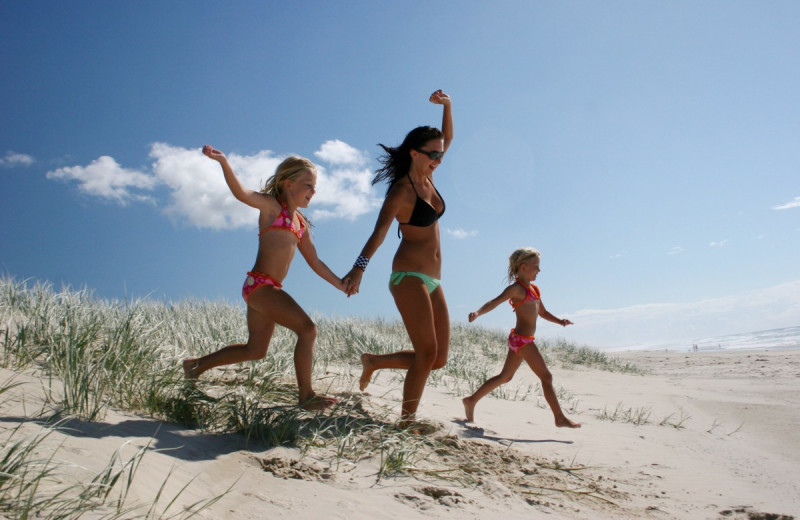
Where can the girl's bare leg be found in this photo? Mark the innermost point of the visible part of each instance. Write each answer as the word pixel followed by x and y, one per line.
pixel 513 361
pixel 535 360
pixel 260 329
pixel 283 310
pixel 286 312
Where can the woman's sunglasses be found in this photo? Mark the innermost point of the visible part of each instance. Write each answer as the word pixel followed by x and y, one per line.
pixel 432 154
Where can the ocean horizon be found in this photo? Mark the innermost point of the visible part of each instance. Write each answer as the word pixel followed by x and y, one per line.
pixel 774 339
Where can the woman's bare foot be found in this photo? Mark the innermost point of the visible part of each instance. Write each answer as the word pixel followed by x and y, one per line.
pixel 469 409
pixel 366 371
pixel 417 427
pixel 317 402
pixel 566 423
pixel 190 367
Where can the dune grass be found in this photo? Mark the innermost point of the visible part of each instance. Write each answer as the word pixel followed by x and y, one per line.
pixel 96 354
pixel 127 354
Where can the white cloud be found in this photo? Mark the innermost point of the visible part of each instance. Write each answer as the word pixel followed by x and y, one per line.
pixel 721 243
pixel 675 250
pixel 673 324
pixel 199 196
pixel 12 159
pixel 104 178
pixel 460 234
pixel 793 204
pixel 344 191
pixel 198 193
pixel 336 152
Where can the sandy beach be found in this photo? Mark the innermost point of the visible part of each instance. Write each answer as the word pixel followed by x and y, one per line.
pixel 698 435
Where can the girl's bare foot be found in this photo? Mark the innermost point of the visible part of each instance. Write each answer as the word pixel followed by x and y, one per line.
pixel 190 369
pixel 469 409
pixel 566 423
pixel 366 371
pixel 317 402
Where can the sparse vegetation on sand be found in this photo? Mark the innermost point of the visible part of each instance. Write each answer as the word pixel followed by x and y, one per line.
pixel 95 354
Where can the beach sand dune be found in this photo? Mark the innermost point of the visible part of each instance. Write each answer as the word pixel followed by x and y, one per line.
pixel 706 435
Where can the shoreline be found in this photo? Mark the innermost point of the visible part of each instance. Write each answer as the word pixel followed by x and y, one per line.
pixel 785 338
pixel 702 350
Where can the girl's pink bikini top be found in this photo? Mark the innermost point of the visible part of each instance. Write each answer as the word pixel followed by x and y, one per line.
pixel 284 222
pixel 531 293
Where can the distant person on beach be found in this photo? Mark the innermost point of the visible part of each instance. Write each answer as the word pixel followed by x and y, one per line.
pixel 283 229
pixel 525 299
pixel 412 200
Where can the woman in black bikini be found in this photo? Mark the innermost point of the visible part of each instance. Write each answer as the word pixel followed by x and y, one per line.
pixel 415 203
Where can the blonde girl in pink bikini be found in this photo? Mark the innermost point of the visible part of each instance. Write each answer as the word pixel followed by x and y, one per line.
pixel 526 301
pixel 283 229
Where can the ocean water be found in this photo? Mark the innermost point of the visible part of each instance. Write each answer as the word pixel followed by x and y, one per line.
pixel 785 338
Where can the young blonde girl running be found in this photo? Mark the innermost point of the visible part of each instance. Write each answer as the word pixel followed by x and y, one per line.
pixel 525 299
pixel 283 229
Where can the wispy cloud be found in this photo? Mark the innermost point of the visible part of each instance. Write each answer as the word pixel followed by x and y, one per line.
pixel 105 178
pixel 721 243
pixel 199 196
pixel 793 204
pixel 460 234
pixel 675 250
pixel 335 151
pixel 676 323
pixel 345 189
pixel 12 159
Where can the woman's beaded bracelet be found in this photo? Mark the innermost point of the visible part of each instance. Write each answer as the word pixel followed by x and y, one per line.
pixel 361 262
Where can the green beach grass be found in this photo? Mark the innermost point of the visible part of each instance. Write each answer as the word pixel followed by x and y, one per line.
pixel 94 355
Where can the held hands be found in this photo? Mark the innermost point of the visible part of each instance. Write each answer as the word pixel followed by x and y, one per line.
pixel 340 284
pixel 352 281
pixel 440 98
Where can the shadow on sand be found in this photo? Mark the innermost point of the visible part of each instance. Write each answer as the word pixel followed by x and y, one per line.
pixel 476 432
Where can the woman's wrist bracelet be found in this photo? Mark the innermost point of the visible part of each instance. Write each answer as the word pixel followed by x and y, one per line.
pixel 361 262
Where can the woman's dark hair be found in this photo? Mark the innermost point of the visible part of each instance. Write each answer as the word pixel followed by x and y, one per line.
pixel 397 161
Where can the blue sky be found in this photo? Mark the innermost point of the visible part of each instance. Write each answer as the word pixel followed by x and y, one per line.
pixel 649 149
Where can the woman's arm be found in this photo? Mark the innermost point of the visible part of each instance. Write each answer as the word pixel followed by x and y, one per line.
pixel 440 98
pixel 385 218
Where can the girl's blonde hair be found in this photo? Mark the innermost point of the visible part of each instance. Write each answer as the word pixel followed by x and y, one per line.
pixel 519 257
pixel 288 170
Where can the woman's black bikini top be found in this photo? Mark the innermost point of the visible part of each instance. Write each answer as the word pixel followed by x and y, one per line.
pixel 423 214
